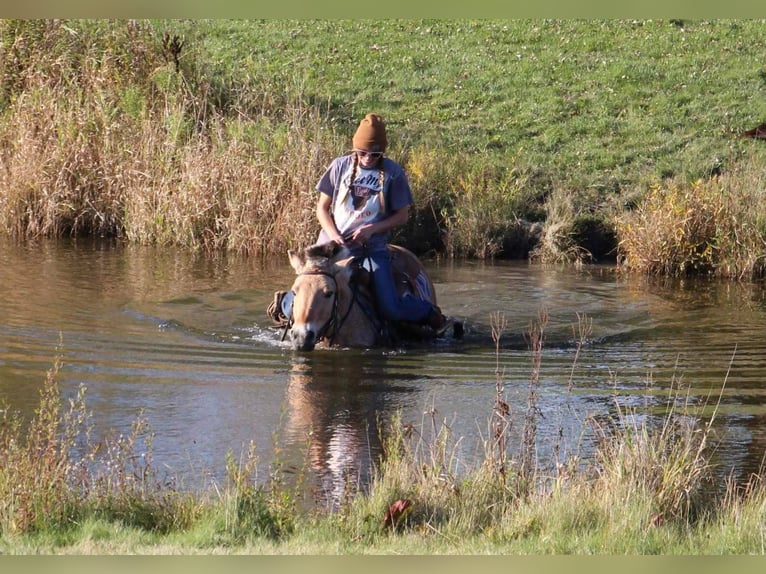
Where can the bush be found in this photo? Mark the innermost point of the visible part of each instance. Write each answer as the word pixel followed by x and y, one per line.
pixel 713 227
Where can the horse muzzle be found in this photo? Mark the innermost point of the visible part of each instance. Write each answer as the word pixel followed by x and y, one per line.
pixel 303 338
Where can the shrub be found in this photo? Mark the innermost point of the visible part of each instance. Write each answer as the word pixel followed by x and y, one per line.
pixel 713 227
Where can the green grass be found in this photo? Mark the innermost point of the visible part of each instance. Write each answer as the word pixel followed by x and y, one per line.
pixel 587 103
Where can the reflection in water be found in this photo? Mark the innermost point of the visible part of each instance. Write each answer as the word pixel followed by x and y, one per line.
pixel 336 403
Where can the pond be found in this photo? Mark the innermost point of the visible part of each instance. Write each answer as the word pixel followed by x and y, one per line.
pixel 185 340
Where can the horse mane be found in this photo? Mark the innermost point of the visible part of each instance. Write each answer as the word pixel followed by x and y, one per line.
pixel 326 250
pixel 325 254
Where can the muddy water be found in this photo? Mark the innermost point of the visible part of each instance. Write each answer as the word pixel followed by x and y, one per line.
pixel 185 340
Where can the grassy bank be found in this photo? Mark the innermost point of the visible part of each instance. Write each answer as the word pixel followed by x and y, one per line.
pixel 651 487
pixel 543 139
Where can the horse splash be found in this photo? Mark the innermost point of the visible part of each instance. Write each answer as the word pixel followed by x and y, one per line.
pixel 330 303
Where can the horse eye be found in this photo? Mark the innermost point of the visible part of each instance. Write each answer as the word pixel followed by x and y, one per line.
pixel 328 294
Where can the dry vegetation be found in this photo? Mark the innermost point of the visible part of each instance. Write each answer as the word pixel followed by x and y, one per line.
pixel 101 135
pixel 716 226
pixel 123 129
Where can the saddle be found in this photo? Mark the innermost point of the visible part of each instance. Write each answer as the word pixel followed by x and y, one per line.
pixel 409 276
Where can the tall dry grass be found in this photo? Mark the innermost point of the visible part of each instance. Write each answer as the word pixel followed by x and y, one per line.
pixel 230 192
pixel 715 227
pixel 102 134
pixel 557 241
pixel 108 129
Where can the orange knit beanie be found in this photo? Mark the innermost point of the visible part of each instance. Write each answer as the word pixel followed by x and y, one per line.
pixel 371 134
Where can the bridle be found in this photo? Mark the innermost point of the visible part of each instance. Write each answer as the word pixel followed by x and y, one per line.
pixel 333 322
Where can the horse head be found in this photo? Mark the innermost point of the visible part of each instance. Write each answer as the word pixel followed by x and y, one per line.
pixel 320 291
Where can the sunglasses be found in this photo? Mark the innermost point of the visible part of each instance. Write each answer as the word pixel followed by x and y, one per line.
pixel 372 154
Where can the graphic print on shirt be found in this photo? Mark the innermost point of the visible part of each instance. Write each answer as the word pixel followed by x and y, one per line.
pixel 358 203
pixel 367 184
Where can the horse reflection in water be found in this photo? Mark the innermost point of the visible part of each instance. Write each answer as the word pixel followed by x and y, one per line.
pixel 336 408
pixel 332 304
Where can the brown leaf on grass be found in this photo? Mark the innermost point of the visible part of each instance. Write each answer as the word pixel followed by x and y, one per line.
pixel 758 132
pixel 396 512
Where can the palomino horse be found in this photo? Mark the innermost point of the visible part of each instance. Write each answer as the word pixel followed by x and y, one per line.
pixel 331 301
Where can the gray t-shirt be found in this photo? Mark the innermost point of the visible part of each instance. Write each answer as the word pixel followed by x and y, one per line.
pixel 359 202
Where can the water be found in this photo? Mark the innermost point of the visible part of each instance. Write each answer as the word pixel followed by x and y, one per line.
pixel 185 340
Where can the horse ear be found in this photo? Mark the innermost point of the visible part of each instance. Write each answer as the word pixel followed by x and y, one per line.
pixel 297 260
pixel 341 262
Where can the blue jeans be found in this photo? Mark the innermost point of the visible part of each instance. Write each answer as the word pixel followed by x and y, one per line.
pixel 391 306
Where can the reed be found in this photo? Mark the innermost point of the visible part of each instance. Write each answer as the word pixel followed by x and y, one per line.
pixel 116 140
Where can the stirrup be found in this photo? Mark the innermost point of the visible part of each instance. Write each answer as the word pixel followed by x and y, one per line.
pixel 274 310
